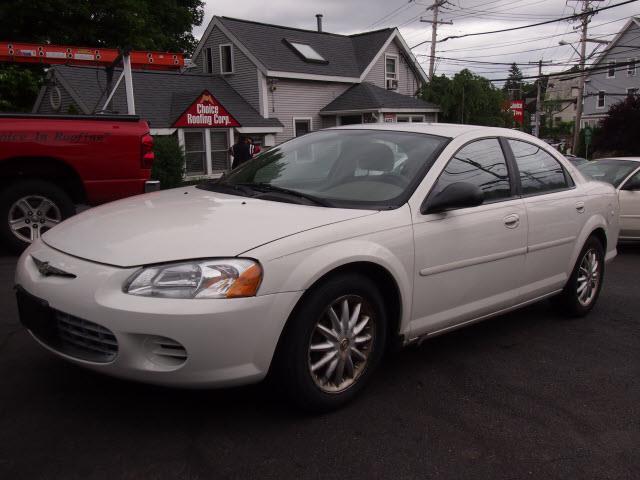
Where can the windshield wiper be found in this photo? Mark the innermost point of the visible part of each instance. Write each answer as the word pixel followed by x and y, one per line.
pixel 267 187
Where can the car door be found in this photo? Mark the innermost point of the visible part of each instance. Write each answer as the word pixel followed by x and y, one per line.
pixel 629 196
pixel 468 261
pixel 555 209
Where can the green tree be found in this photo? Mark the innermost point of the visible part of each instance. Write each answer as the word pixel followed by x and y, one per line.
pixel 164 25
pixel 19 87
pixel 467 98
pixel 514 82
pixel 618 132
pixel 168 165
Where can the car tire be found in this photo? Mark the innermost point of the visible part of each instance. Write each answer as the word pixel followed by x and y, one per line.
pixel 28 203
pixel 581 292
pixel 318 348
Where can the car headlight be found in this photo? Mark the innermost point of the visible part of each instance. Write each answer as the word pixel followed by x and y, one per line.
pixel 225 278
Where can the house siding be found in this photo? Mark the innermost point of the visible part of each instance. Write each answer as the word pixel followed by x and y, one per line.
pixel 66 102
pixel 408 83
pixel 627 47
pixel 244 76
pixel 301 99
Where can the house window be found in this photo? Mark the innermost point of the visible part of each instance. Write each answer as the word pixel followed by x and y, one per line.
pixel 194 152
pixel 208 60
pixel 611 71
pixel 351 120
pixel 601 99
pixel 632 91
pixel 391 71
pixel 226 59
pixel 410 118
pixel 631 67
pixel 301 126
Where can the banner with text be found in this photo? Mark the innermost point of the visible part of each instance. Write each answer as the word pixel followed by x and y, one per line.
pixel 206 112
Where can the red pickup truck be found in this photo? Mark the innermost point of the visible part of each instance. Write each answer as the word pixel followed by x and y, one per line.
pixel 48 164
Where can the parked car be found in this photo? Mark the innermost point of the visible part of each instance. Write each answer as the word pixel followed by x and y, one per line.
pixel 300 264
pixel 577 161
pixel 48 164
pixel 624 174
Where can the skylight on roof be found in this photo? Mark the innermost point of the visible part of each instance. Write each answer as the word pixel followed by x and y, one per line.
pixel 307 52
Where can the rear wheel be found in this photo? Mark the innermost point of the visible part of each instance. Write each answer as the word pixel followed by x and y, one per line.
pixel 583 288
pixel 333 343
pixel 30 208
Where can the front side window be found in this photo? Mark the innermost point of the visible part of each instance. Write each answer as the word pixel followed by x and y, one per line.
pixel 539 171
pixel 226 59
pixel 481 163
pixel 371 169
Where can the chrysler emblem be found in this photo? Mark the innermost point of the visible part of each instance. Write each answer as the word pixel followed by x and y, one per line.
pixel 46 269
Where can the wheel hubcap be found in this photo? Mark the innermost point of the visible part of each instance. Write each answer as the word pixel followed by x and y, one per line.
pixel 341 344
pixel 588 278
pixel 27 225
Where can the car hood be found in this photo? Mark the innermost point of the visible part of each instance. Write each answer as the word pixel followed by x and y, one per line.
pixel 184 223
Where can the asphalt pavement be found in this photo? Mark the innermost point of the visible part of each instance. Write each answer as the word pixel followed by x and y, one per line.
pixel 525 395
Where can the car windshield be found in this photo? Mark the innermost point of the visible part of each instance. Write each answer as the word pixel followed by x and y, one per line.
pixel 609 170
pixel 343 168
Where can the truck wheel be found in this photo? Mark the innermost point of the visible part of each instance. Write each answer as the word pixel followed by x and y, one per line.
pixel 28 209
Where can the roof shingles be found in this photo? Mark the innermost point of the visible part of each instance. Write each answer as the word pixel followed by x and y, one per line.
pixel 366 96
pixel 160 96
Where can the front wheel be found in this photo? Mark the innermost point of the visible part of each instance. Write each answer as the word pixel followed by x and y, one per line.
pixel 28 209
pixel 333 343
pixel 581 292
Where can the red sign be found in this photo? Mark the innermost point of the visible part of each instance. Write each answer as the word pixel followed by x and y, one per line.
pixel 206 112
pixel 389 117
pixel 517 107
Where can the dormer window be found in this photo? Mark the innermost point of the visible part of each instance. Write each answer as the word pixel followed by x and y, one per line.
pixel 305 51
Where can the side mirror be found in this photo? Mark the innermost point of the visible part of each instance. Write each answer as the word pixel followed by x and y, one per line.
pixel 455 195
pixel 632 184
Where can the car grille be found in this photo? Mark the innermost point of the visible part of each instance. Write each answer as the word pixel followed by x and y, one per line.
pixel 85 340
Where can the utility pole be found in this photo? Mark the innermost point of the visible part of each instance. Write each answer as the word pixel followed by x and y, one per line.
pixel 434 31
pixel 585 18
pixel 538 98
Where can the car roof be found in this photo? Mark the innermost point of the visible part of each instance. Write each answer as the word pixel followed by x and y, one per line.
pixel 450 130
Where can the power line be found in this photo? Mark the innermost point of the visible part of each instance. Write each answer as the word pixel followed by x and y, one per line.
pixel 570 17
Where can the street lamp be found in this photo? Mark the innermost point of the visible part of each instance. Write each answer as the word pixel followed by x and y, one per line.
pixel 562 42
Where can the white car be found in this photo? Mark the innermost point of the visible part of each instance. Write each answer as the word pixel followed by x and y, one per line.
pixel 624 174
pixel 301 264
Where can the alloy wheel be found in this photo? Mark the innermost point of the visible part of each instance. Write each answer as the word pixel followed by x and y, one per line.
pixel 588 278
pixel 341 343
pixel 31 216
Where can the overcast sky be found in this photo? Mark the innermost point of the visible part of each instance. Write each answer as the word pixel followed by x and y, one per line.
pixel 468 16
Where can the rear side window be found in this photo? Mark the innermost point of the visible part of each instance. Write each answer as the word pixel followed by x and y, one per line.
pixel 481 163
pixel 539 171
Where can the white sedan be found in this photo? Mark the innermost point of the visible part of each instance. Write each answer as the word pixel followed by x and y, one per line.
pixel 317 256
pixel 624 174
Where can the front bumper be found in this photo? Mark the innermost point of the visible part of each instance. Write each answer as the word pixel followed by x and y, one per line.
pixel 227 341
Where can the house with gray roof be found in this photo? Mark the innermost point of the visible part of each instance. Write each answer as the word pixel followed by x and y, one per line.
pixel 267 81
pixel 616 75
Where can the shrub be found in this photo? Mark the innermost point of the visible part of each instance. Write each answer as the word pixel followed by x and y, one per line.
pixel 168 166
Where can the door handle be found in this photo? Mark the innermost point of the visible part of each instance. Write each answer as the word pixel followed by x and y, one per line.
pixel 580 207
pixel 511 221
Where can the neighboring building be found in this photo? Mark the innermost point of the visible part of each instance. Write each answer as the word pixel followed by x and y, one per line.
pixel 270 82
pixel 611 85
pixel 560 99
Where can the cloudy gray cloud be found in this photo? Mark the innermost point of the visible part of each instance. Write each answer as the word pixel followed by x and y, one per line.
pixel 468 16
